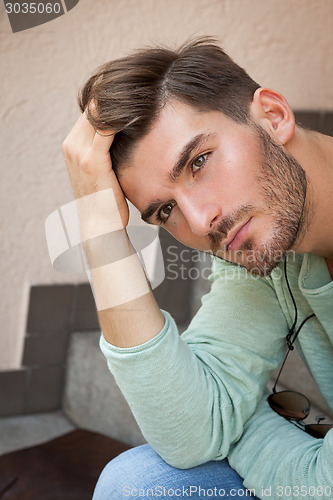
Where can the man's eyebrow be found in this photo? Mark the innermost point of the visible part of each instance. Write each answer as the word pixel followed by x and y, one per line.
pixel 177 169
pixel 186 152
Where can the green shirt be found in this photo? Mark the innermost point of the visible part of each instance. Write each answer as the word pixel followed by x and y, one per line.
pixel 201 396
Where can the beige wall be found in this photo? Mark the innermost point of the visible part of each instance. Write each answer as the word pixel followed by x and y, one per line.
pixel 284 44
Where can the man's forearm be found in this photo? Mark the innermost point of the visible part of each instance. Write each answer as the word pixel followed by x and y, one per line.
pixel 127 310
pixel 132 323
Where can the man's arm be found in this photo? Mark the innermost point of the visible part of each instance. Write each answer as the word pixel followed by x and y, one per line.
pixel 127 310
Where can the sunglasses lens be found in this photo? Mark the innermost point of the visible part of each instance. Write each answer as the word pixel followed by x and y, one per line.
pixel 318 430
pixel 290 404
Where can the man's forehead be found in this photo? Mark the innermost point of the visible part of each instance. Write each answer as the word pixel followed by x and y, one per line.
pixel 176 125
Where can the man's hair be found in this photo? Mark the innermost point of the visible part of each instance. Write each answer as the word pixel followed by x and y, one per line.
pixel 129 93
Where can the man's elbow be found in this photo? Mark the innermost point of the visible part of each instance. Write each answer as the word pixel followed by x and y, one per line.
pixel 187 459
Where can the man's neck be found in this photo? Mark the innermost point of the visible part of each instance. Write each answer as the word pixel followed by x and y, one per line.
pixel 330 267
pixel 314 152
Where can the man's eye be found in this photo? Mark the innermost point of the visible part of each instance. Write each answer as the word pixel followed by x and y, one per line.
pixel 164 213
pixel 198 163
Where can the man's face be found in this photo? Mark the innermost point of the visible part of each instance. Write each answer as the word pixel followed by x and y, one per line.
pixel 217 186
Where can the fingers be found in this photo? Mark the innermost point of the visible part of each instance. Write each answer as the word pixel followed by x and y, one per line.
pixel 87 157
pixel 103 141
pixel 82 133
pixel 102 138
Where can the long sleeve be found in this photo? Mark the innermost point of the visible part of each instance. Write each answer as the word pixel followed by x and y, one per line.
pixel 275 457
pixel 192 394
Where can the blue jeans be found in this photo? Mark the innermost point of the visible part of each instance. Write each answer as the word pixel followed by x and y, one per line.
pixel 141 473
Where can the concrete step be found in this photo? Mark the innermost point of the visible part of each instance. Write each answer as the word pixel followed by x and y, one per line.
pixel 27 430
pixel 92 399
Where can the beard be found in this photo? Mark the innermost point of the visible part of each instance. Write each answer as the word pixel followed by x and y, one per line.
pixel 284 186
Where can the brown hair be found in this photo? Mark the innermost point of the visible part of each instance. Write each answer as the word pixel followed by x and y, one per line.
pixel 129 93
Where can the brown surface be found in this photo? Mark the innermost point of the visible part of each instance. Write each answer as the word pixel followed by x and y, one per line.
pixel 65 468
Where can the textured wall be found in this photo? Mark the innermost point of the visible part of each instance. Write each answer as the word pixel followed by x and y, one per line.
pixel 284 44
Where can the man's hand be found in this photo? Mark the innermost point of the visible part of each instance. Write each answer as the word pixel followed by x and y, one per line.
pixel 88 161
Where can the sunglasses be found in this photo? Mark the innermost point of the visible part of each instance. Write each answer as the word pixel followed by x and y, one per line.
pixel 292 405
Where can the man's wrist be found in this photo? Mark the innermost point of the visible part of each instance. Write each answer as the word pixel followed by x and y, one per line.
pixel 98 214
pixel 107 248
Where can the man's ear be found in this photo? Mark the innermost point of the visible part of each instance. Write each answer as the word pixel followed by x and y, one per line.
pixel 271 111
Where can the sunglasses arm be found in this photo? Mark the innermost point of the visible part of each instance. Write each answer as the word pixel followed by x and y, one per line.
pixel 281 367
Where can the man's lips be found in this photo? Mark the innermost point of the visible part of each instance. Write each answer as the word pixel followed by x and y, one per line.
pixel 236 237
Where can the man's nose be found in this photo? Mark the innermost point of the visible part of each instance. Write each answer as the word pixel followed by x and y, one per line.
pixel 202 215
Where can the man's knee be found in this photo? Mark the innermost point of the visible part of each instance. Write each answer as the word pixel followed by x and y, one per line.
pixel 123 477
pixel 141 472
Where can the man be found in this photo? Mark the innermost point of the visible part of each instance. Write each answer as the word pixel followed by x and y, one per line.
pixel 200 148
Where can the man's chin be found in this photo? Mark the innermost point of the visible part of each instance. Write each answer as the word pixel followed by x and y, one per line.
pixel 255 264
